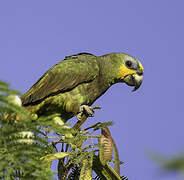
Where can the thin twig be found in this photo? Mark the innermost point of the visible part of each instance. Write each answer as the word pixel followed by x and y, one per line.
pixel 93 126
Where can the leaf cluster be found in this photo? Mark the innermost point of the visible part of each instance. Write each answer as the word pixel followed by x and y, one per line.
pixel 21 142
pixel 28 145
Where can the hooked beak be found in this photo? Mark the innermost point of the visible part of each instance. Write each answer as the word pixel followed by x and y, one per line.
pixel 134 80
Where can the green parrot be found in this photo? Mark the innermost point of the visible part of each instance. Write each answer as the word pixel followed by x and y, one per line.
pixel 72 86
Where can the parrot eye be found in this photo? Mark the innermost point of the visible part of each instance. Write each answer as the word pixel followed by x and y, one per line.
pixel 128 64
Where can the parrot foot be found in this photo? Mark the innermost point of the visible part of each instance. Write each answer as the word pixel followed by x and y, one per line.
pixel 85 109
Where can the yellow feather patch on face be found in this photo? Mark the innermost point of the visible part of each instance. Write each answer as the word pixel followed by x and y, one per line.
pixel 124 71
pixel 141 67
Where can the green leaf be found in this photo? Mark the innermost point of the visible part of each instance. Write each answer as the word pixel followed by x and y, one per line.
pixel 9 91
pixel 22 145
pixel 3 84
pixel 86 171
pixel 104 171
pixel 58 155
pixel 101 125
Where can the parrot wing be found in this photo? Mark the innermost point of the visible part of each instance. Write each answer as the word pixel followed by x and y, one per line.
pixel 62 77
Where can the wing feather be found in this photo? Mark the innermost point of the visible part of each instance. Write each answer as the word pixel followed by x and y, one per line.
pixel 63 77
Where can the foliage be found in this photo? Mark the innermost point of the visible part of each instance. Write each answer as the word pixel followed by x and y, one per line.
pixel 21 145
pixel 175 164
pixel 29 145
pixel 171 164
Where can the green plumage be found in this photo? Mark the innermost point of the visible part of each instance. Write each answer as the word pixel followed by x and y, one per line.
pixel 77 80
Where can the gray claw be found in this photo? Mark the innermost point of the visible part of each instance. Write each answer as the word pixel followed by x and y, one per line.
pixel 87 110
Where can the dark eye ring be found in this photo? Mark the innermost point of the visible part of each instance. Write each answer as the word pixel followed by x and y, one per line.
pixel 128 64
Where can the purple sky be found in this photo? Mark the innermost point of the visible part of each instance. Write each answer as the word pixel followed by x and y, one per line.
pixel 35 35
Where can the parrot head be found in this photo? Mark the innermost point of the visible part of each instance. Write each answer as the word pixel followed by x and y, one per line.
pixel 130 71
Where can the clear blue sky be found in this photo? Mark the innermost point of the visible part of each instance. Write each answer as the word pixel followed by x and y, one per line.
pixel 35 35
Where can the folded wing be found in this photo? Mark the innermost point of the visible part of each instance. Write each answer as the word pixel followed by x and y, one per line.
pixel 63 77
